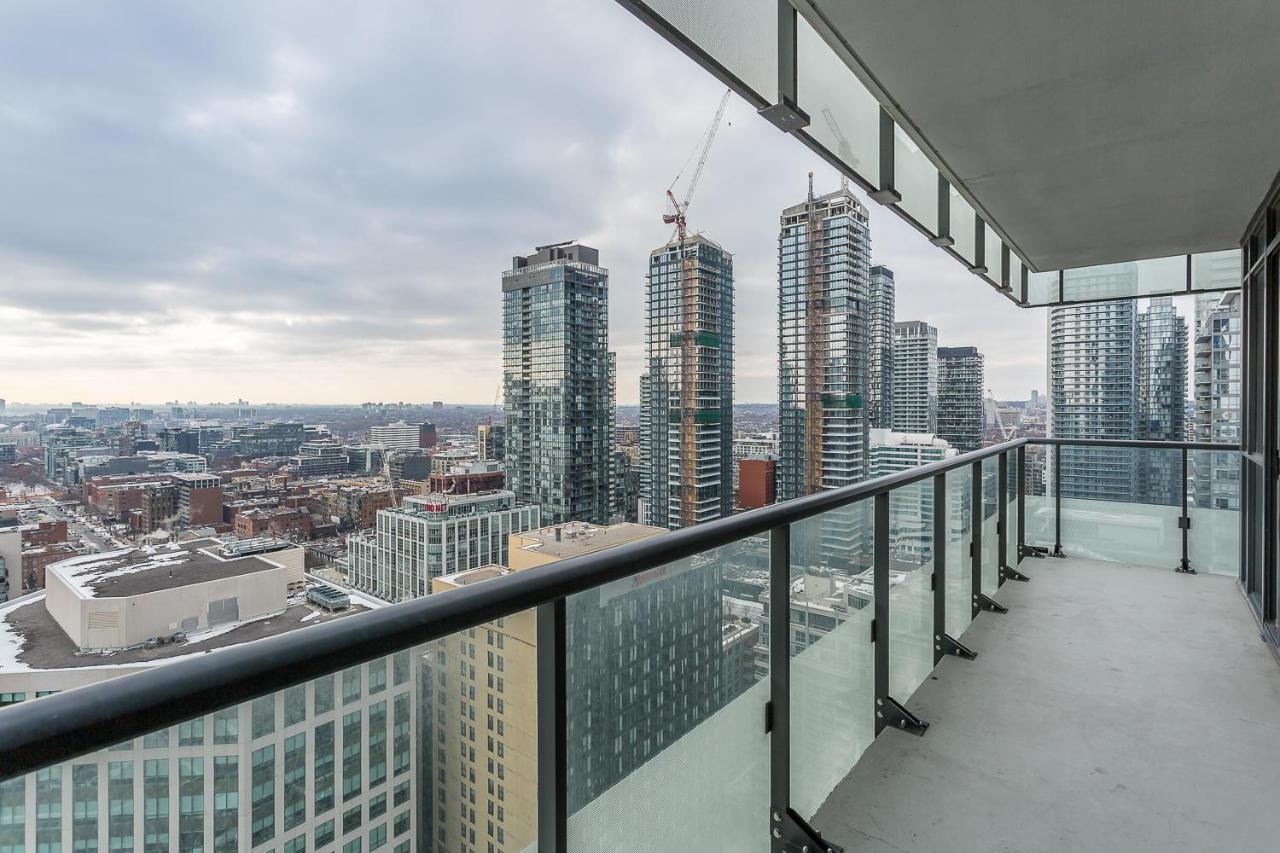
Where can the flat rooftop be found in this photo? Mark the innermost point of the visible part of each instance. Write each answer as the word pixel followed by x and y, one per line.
pixel 135 571
pixel 31 639
pixel 578 537
pixel 1114 708
pixel 473 576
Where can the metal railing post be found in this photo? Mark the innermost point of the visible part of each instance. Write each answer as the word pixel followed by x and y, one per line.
pixel 1057 502
pixel 939 580
pixel 1002 516
pixel 552 728
pixel 975 543
pixel 1184 522
pixel 1022 501
pixel 779 681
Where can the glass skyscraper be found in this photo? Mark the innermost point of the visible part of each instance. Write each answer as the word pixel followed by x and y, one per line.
pixel 687 437
pixel 1092 391
pixel 960 395
pixel 915 377
pixel 824 251
pixel 558 382
pixel 824 254
pixel 880 361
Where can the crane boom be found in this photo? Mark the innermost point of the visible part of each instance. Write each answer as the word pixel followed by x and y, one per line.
pixel 677 211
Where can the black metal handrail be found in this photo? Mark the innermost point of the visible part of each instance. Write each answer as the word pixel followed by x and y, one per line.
pixel 79 721
pixel 60 727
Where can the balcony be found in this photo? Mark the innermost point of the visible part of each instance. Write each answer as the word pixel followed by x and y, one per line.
pixel 933 650
pixel 937 659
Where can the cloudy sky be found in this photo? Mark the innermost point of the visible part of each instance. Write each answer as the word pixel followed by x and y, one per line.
pixel 313 202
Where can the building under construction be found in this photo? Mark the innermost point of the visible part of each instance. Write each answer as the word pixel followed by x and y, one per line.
pixel 686 432
pixel 824 256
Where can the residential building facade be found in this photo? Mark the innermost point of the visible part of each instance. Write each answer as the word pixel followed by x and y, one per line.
pixel 687 443
pixel 558 382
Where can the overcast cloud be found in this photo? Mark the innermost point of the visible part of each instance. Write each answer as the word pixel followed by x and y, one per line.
pixel 313 202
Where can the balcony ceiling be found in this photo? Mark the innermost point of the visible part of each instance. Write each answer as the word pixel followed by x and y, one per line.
pixel 1091 132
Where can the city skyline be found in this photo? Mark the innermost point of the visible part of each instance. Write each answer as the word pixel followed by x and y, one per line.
pixel 338 281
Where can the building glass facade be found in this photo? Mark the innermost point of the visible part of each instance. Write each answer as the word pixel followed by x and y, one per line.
pixel 880 361
pixel 687 440
pixel 961 418
pixel 557 382
pixel 915 377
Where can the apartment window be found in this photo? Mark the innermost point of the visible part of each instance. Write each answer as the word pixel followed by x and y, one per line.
pixel 263 795
pixel 155 805
pixel 350 685
pixel 13 811
pixel 191 733
pixel 226 803
pixel 49 809
pixel 377 676
pixel 190 805
pixel 156 740
pixel 296 845
pixel 120 805
pixel 401 825
pixel 377 744
pixel 350 756
pixel 295 781
pixel 11 698
pixel 84 807
pixel 295 705
pixel 351 819
pixel 324 768
pixel 351 846
pixel 399 668
pixel 378 836
pixel 264 716
pixel 226 726
pixel 401 794
pixel 401 734
pixel 324 834
pixel 322 694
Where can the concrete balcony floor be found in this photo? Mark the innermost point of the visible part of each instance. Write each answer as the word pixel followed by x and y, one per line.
pixel 1114 708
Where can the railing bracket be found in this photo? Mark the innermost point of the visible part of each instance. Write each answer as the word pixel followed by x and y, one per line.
pixel 1037 551
pixel 1184 567
pixel 986 602
pixel 797 835
pixel 949 645
pixel 895 716
pixel 1057 552
pixel 1012 574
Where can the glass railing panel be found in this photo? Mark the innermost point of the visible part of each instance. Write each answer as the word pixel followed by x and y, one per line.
pixel 990 521
pixel 346 759
pixel 1216 270
pixel 963 221
pixel 843 115
pixel 741 35
pixel 1042 288
pixel 916 180
pixel 910 587
pixel 1213 542
pixel 1015 274
pixel 991 246
pixel 832 661
pixel 1135 278
pixel 1038 502
pixel 1122 504
pixel 959 608
pixel 667 685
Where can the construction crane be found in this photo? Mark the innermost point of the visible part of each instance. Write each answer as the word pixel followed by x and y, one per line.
pixel 678 211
